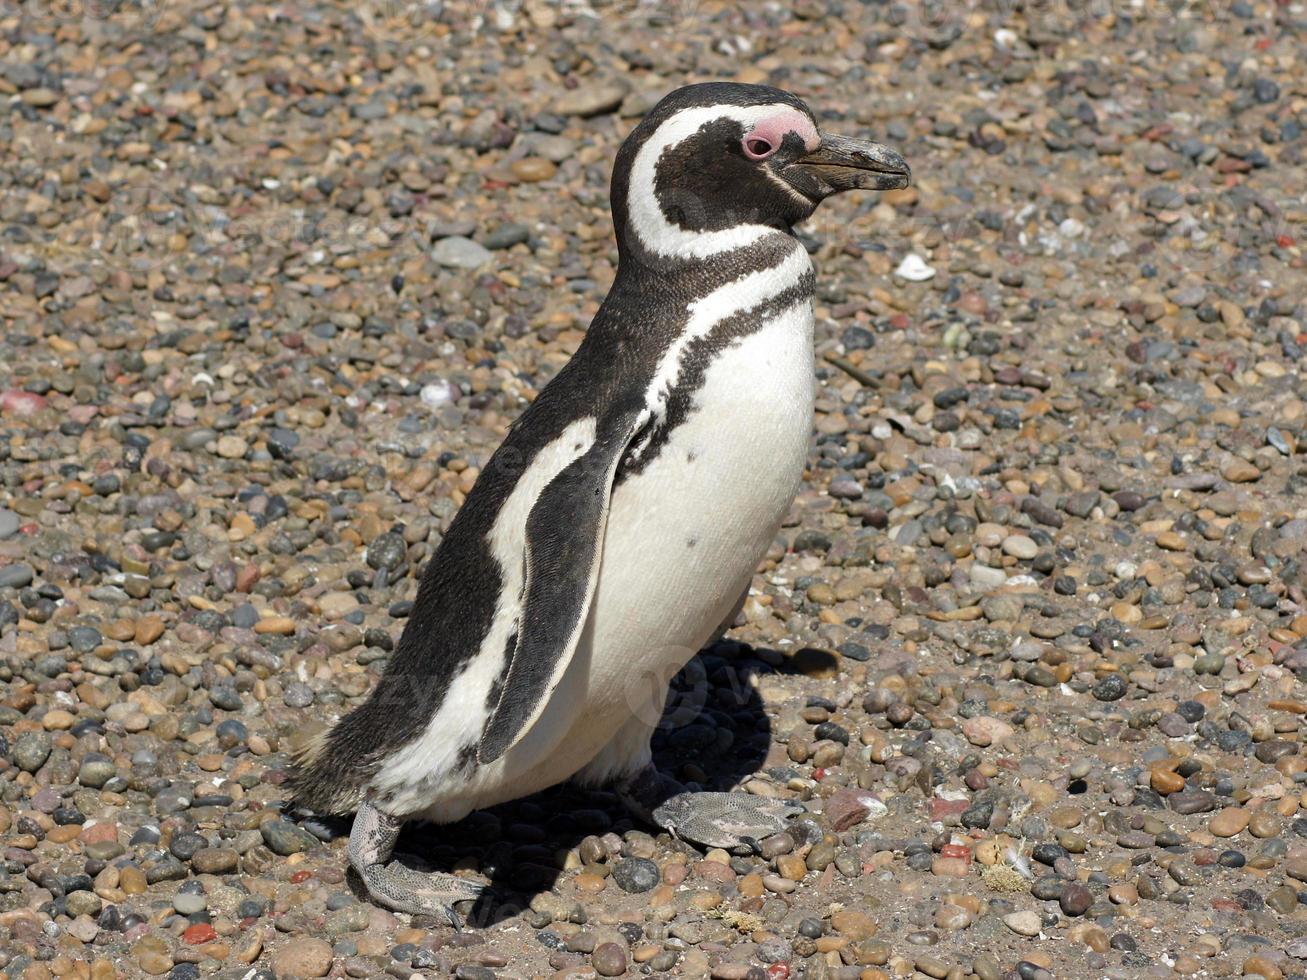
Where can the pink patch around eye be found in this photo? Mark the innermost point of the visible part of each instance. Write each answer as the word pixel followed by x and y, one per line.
pixel 766 137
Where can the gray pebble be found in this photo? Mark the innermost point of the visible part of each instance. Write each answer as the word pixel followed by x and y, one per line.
pixel 636 874
pixel 284 837
pixel 457 252
pixel 31 749
pixel 16 576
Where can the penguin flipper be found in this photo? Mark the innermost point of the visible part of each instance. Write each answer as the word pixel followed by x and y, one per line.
pixel 564 538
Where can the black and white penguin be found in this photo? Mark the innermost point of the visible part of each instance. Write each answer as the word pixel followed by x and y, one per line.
pixel 613 533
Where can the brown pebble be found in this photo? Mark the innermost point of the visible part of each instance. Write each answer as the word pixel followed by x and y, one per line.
pixel 1229 821
pixel 1260 966
pixel 609 960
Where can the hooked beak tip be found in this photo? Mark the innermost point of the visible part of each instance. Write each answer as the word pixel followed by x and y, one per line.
pixel 844 163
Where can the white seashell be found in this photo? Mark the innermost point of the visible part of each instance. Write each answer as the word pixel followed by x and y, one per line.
pixel 914 269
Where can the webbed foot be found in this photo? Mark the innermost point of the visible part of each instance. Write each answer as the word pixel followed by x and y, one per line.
pixel 727 820
pixel 395 885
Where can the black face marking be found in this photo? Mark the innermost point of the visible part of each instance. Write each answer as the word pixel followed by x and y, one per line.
pixel 708 201
pixel 706 183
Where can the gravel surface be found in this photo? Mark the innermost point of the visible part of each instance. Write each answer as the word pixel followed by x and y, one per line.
pixel 276 277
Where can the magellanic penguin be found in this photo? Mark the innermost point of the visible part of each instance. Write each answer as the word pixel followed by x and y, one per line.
pixel 613 532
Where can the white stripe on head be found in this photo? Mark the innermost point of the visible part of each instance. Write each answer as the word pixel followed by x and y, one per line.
pixel 646 216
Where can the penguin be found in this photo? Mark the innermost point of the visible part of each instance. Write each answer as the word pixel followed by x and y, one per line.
pixel 615 530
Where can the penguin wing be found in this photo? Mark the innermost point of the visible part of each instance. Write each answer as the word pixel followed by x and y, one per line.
pixel 564 538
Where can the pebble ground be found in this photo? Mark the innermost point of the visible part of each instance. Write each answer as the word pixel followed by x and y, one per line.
pixel 276 277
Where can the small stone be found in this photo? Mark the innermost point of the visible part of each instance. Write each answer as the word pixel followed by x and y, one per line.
pixel 1166 781
pixel 16 576
pixel 791 867
pixel 232 447
pixel 1123 893
pixel 189 903
pixel 1283 900
pixel 609 960
pixel 1170 541
pixel 215 860
pixel 507 235
pixel 1229 821
pixel 1111 688
pixel 853 924
pixel 387 551
pixel 285 838
pixel 1020 546
pixel 1260 966
pixel 984 730
pixel 1023 923
pixel 636 874
pixel 1240 471
pixel 532 169
pixel 302 958
pixel 1192 801
pixel 31 749
pixel 83 903
pixel 21 404
pixel 95 770
pixel 43 98
pixel 848 807
pixel 147 630
pixel 1265 823
pixel 152 955
pixel 1075 899
pixel 591 99
pixel 457 252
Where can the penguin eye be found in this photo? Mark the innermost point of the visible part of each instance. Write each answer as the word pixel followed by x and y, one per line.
pixel 757 148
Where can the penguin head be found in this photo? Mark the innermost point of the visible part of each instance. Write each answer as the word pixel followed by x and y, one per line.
pixel 713 162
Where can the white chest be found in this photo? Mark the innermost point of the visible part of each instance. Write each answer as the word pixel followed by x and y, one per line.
pixel 685 534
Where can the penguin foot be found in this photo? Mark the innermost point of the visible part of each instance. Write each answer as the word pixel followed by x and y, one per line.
pixel 395 885
pixel 729 820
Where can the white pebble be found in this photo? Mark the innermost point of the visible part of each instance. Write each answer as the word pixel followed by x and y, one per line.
pixel 914 269
pixel 985 578
pixel 439 393
pixel 1020 546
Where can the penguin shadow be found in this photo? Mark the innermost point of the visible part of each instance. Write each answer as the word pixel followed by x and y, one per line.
pixel 713 735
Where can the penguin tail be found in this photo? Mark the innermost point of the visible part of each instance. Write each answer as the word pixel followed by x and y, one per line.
pixel 320 781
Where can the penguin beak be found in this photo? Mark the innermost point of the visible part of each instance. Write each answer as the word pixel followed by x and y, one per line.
pixel 842 163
